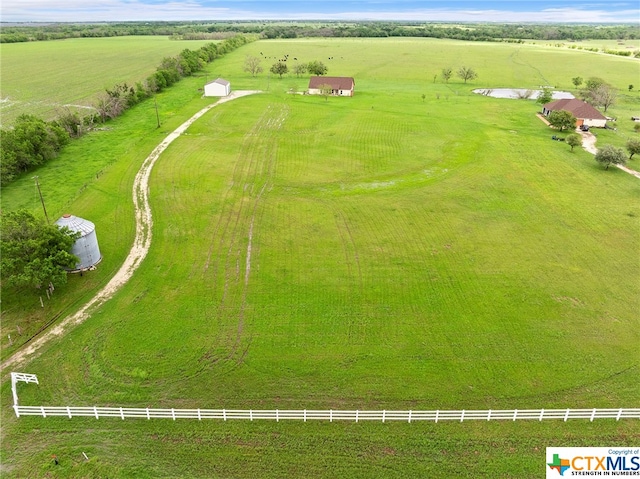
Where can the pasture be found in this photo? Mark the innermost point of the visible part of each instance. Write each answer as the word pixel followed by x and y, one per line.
pixel 382 251
pixel 42 78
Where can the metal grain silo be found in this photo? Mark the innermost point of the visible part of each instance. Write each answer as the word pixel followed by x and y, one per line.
pixel 86 246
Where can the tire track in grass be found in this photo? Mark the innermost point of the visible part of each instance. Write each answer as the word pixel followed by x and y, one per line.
pixel 139 249
pixel 233 237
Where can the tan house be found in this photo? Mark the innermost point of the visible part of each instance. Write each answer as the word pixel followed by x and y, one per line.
pixel 340 86
pixel 585 114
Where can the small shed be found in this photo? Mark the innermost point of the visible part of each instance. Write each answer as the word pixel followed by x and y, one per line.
pixel 217 87
pixel 86 247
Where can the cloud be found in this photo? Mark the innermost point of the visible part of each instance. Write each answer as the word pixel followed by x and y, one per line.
pixel 138 10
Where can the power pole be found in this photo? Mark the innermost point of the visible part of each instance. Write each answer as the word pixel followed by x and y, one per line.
pixel 155 102
pixel 42 200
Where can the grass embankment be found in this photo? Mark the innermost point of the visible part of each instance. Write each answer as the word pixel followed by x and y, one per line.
pixel 381 251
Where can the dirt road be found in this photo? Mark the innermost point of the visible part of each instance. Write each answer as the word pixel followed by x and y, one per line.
pixel 139 250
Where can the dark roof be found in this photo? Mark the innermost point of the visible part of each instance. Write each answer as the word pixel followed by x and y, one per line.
pixel 337 83
pixel 579 108
pixel 221 81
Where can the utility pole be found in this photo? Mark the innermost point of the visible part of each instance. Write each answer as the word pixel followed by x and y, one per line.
pixel 42 200
pixel 155 102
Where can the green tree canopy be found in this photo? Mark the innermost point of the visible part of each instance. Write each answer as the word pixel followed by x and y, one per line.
pixel 317 68
pixel 467 73
pixel 562 120
pixel 633 146
pixel 34 253
pixel 610 155
pixel 573 140
pixel 545 96
pixel 279 68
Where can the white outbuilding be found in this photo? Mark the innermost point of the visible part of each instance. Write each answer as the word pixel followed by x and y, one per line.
pixel 86 247
pixel 217 87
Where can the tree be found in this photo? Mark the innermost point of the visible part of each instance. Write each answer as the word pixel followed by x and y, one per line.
pixel 604 95
pixel 467 73
pixel 562 120
pixel 573 140
pixel 577 81
pixel 34 253
pixel 446 74
pixel 610 155
pixel 633 146
pixel 630 87
pixel 317 68
pixel 545 96
pixel 299 69
pixel 279 68
pixel 326 91
pixel 252 65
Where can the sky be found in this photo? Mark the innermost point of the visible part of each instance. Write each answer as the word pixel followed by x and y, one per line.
pixel 535 11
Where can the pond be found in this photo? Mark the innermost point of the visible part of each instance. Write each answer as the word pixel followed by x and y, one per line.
pixel 520 93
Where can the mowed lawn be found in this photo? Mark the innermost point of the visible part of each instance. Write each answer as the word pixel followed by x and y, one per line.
pixel 384 251
pixel 45 78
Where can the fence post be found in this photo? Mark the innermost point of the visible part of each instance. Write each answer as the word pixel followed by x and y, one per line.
pixel 356 415
pixel 43 413
pixel 409 416
pixel 304 415
pixel 619 414
pixel 199 416
pixel 277 418
pixel 148 415
pixel 121 414
pixel 251 414
pixel 68 412
pixel 593 414
pixel 330 415
pixel 541 414
pixel 566 415
pixel 437 412
pixel 384 412
pixel 515 414
pixel 489 415
pixel 17 411
pixel 224 414
pixel 95 411
pixel 173 414
pixel 462 416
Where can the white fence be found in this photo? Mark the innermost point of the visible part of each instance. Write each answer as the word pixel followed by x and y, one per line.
pixel 310 414
pixel 327 415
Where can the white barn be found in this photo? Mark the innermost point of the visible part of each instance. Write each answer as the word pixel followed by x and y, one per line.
pixel 217 87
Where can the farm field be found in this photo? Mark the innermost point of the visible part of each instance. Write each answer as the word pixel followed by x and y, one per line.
pixel 41 78
pixel 386 251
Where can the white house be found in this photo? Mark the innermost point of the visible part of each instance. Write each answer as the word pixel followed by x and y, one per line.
pixel 585 114
pixel 340 86
pixel 217 87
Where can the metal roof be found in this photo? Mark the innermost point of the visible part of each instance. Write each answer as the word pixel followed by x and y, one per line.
pixel 76 224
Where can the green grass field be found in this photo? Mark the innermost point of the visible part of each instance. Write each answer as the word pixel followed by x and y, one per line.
pixel 42 78
pixel 382 251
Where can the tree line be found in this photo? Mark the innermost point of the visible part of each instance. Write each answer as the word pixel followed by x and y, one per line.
pixel 32 141
pixel 190 30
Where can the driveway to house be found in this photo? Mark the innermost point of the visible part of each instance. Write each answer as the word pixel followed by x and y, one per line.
pixel 589 144
pixel 138 252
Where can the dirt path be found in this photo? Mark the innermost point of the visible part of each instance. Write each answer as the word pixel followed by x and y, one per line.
pixel 138 252
pixel 589 144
